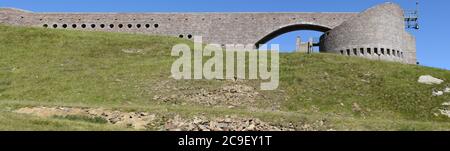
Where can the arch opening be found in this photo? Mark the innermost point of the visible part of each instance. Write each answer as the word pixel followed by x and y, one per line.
pixel 291 28
pixel 295 38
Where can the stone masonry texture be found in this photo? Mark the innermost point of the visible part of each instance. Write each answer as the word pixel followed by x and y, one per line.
pixel 377 33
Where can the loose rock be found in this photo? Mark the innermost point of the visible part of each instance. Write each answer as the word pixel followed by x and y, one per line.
pixel 447 90
pixel 445 112
pixel 438 93
pixel 427 79
pixel 356 108
pixel 221 124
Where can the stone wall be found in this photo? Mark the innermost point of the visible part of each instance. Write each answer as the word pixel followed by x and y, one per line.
pixel 377 33
pixel 222 28
pixel 380 27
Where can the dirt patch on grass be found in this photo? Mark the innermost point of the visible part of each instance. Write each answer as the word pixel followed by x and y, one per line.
pixel 146 120
pixel 230 95
pixel 137 120
pixel 220 93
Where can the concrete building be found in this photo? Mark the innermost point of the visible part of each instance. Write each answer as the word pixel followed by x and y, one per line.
pixel 377 33
pixel 303 47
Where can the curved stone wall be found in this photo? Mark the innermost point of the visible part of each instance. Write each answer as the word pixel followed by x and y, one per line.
pixel 377 33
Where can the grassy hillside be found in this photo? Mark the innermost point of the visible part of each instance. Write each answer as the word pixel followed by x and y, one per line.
pixel 126 72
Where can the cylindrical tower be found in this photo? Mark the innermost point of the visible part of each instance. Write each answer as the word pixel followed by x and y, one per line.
pixel 377 33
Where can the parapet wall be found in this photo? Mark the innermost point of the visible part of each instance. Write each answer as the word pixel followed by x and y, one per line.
pixel 221 28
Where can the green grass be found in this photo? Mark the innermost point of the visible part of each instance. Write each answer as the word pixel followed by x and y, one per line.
pixel 41 67
pixel 325 81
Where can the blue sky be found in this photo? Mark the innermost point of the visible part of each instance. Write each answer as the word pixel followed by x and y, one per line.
pixel 432 38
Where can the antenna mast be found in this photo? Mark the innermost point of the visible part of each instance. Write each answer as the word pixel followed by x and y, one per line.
pixel 412 17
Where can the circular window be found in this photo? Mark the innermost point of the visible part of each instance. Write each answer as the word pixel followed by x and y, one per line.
pixel 111 25
pixel 83 25
pixel 45 25
pixel 156 25
pixel 102 25
pixel 120 25
pixel 74 25
pixel 92 25
pixel 189 36
pixel 129 25
pixel 64 25
pixel 138 25
pixel 147 25
pixel 55 25
pixel 180 36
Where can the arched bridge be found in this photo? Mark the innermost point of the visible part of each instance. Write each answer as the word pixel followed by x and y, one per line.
pixel 233 28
